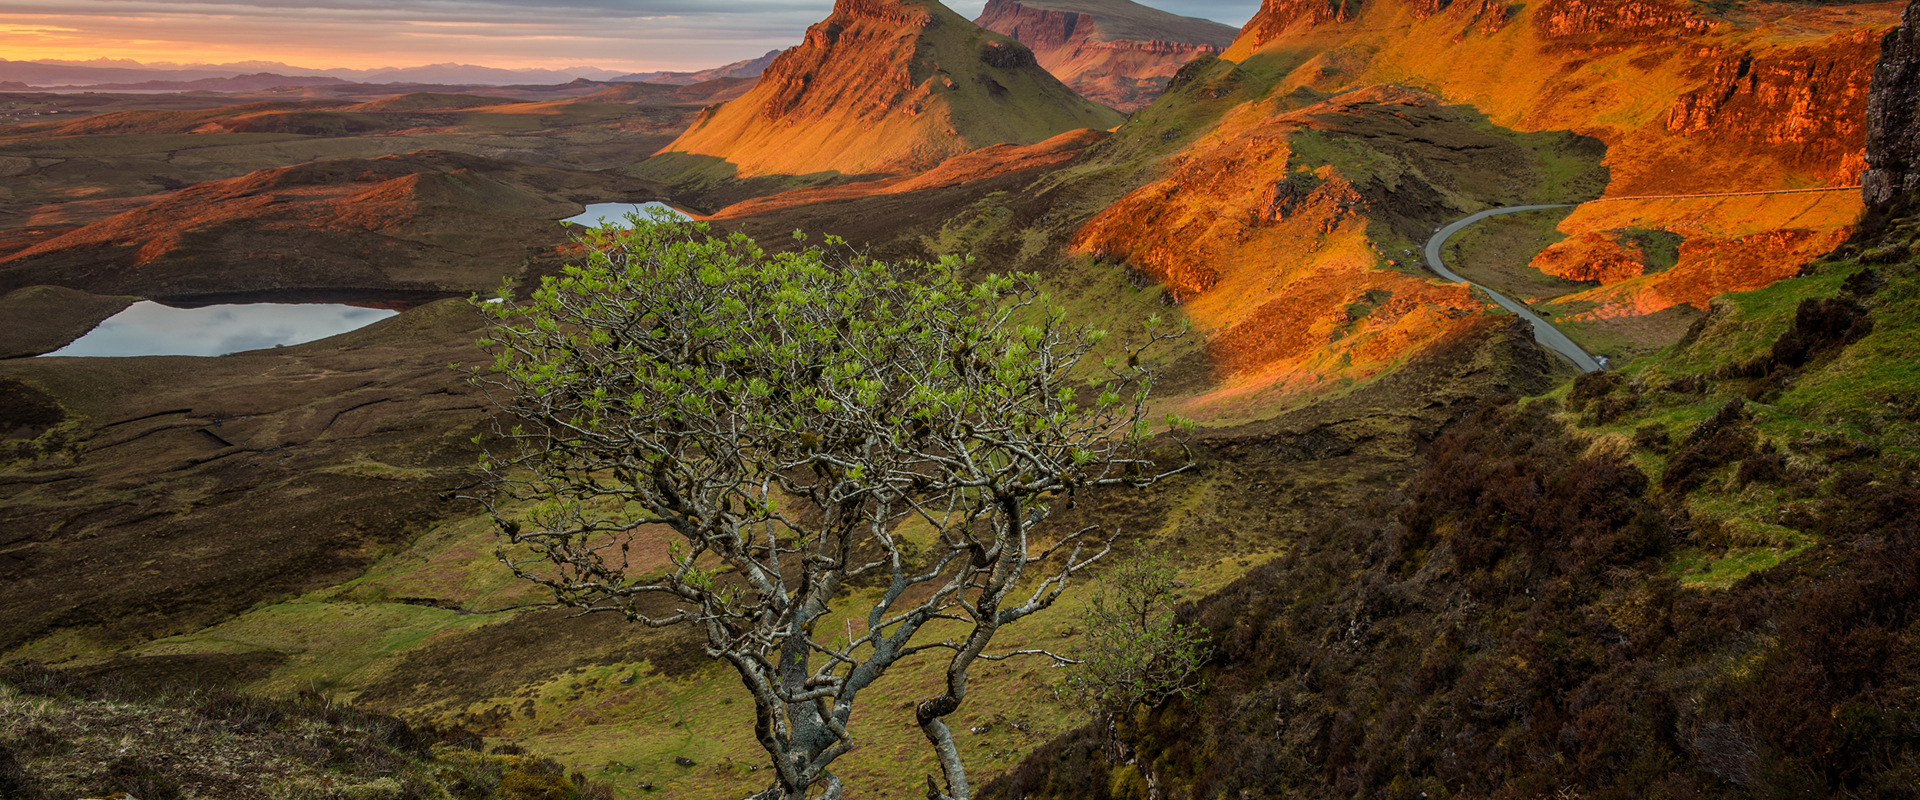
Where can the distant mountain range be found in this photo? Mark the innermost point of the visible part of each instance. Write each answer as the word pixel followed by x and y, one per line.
pixel 237 83
pixel 127 74
pixel 750 68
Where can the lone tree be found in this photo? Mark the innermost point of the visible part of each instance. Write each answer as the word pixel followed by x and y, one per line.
pixel 801 421
pixel 1135 651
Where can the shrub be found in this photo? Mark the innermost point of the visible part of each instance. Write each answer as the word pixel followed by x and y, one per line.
pixel 1719 440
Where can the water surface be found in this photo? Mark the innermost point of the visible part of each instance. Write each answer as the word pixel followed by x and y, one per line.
pixel 598 214
pixel 147 328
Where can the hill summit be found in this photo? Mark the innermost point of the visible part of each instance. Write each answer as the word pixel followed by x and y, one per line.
pixel 889 86
pixel 1116 52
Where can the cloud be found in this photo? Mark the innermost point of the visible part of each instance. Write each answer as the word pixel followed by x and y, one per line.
pixel 615 34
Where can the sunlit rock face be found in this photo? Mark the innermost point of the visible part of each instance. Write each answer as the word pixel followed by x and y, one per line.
pixel 1806 106
pixel 886 87
pixel 1279 17
pixel 1116 52
pixel 1617 22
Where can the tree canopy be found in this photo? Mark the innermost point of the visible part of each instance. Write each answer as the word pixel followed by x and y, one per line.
pixel 799 421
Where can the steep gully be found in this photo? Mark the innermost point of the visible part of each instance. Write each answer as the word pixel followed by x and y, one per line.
pixel 1543 331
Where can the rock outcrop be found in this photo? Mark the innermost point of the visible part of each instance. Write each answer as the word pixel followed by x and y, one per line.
pixel 1279 17
pixel 1803 106
pixel 1893 128
pixel 1617 21
pixel 1116 52
pixel 883 86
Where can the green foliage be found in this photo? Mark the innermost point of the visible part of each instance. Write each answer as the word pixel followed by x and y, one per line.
pixel 1660 248
pixel 1136 651
pixel 783 415
pixel 692 359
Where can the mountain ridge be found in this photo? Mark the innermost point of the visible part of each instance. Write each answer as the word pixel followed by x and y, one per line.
pixel 71 75
pixel 747 68
pixel 1115 52
pixel 885 86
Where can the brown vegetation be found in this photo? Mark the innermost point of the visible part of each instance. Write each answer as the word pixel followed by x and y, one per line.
pixel 176 491
pixel 1504 630
pixel 426 221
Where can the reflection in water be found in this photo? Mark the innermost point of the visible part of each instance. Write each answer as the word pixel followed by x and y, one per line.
pixel 616 213
pixel 151 329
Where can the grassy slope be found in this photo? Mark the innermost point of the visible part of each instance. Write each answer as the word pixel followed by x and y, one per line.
pixel 1204 222
pixel 103 738
pixel 1621 89
pixel 619 717
pixel 1690 578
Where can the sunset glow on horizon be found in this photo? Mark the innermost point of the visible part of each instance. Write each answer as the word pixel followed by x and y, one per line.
pixel 616 35
pixel 329 34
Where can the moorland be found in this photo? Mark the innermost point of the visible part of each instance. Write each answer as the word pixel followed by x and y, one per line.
pixel 1433 559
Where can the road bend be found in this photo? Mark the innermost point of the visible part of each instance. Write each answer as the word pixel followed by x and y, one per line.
pixel 1543 331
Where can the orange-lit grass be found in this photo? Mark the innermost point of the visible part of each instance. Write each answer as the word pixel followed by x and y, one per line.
pixel 973 165
pixel 1731 244
pixel 1619 92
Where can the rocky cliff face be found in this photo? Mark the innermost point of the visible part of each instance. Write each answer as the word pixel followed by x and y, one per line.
pixel 885 86
pixel 1042 29
pixel 1277 17
pixel 1804 106
pixel 1115 52
pixel 1893 128
pixel 1617 20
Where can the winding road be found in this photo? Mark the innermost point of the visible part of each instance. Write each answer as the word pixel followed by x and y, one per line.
pixel 1543 331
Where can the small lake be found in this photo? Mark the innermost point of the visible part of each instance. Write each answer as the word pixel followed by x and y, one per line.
pixel 147 328
pixel 150 329
pixel 599 214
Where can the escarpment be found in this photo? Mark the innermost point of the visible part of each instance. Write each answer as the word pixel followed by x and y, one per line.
pixel 1805 106
pixel 1116 52
pixel 1277 17
pixel 882 86
pixel 1616 19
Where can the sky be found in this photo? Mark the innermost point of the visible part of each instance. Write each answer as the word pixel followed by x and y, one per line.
pixel 621 35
